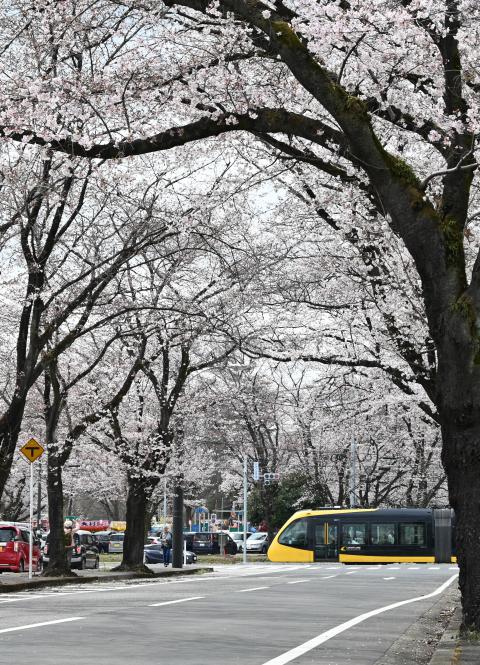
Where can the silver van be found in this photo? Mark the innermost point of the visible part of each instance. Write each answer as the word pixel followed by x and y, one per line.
pixel 115 543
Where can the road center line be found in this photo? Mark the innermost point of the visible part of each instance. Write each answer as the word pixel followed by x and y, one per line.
pixel 39 625
pixel 255 588
pixel 297 581
pixel 173 602
pixel 294 653
pixel 388 578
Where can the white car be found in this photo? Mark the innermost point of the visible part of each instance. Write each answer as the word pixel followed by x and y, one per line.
pixel 258 542
pixel 237 536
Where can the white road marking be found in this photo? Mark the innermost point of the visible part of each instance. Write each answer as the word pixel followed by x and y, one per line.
pixel 328 577
pixel 453 568
pixel 298 581
pixel 394 568
pixel 374 567
pixel 39 625
pixel 294 653
pixel 389 578
pixel 173 602
pixel 434 568
pixel 255 588
pixel 413 568
pixel 351 572
pixel 121 587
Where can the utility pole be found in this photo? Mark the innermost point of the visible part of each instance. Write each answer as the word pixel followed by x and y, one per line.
pixel 353 467
pixel 177 535
pixel 245 488
pixel 164 501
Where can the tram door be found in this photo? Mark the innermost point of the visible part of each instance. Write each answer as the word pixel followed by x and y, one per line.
pixel 325 539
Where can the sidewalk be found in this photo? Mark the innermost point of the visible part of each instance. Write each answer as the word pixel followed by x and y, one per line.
pixel 20 581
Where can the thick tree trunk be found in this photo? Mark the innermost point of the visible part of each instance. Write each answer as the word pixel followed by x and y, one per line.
pixel 461 458
pixel 57 564
pixel 10 424
pixel 137 503
pixel 177 532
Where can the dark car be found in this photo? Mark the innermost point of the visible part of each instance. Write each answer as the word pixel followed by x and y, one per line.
pixel 153 553
pixel 85 552
pixel 210 542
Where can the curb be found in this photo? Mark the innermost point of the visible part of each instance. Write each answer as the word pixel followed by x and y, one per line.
pixel 41 582
pixel 448 649
pixel 453 649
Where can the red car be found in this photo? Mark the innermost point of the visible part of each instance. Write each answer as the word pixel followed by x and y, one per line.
pixel 14 549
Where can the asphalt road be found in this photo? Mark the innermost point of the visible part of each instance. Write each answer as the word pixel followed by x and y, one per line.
pixel 255 615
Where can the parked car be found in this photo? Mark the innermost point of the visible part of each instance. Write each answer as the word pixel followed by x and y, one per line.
pixel 237 536
pixel 153 553
pixel 85 553
pixel 258 542
pixel 103 538
pixel 115 542
pixel 15 549
pixel 210 542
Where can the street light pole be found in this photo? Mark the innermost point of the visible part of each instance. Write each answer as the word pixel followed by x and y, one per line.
pixel 353 466
pixel 245 487
pixel 164 501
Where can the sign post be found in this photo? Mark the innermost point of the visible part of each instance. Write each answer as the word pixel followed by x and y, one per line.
pixel 32 450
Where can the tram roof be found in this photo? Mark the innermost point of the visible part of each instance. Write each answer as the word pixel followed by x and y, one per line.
pixel 392 513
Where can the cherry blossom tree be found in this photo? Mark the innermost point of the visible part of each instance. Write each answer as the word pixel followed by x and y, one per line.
pixel 380 96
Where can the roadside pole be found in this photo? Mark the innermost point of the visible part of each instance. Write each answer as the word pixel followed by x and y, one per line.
pixel 32 450
pixel 245 483
pixel 30 538
pixel 164 501
pixel 353 468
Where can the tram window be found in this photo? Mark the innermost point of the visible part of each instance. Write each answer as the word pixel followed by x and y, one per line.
pixel 320 533
pixel 383 534
pixel 354 534
pixel 295 534
pixel 412 534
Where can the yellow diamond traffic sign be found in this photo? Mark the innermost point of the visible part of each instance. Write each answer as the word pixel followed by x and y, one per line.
pixel 32 450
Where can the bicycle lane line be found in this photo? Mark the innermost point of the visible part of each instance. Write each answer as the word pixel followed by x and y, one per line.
pixel 301 649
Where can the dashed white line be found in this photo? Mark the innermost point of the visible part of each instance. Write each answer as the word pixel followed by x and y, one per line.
pixel 298 581
pixel 300 650
pixel 173 602
pixel 39 625
pixel 255 588
pixel 434 568
pixel 328 577
pixel 351 572
pixel 413 568
pixel 389 578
